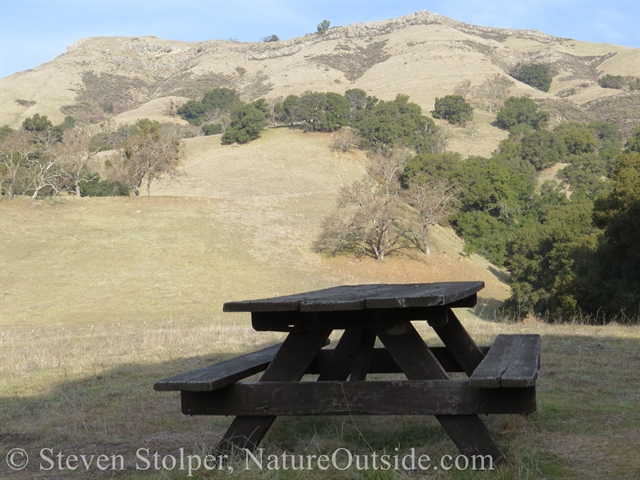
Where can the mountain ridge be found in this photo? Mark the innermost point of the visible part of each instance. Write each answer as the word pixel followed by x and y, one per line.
pixel 423 55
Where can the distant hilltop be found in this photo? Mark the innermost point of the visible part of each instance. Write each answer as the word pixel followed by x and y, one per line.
pixel 423 55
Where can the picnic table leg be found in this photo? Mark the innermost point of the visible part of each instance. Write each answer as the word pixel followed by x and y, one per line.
pixel 411 353
pixel 363 357
pixel 289 364
pixel 350 353
pixel 459 343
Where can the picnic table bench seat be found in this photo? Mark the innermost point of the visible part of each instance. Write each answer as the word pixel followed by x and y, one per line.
pixel 213 377
pixel 512 362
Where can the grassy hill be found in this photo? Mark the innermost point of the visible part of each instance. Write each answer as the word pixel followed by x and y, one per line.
pixel 238 222
pixel 101 297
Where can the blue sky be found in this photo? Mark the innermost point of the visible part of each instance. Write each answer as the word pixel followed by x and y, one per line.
pixel 34 32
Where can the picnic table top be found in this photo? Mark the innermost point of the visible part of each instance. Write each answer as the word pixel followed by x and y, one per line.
pixel 363 297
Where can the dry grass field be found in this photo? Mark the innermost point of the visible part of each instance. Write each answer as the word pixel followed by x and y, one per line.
pixel 101 297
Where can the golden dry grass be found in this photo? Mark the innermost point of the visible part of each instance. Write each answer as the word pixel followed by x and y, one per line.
pixel 101 297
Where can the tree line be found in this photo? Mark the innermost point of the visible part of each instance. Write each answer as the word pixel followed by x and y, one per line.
pixel 571 247
pixel 42 159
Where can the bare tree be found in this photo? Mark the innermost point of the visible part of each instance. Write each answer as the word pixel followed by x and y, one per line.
pixel 219 116
pixel 386 167
pixel 433 200
pixel 493 91
pixel 367 220
pixel 441 140
pixel 151 155
pixel 15 151
pixel 45 171
pixel 75 158
pixel 463 88
pixel 344 140
pixel 114 135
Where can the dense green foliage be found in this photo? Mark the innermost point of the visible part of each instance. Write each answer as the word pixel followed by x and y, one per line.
pixel 521 111
pixel 633 143
pixel 211 129
pixel 320 112
pixel 381 125
pixel 453 108
pixel 582 257
pixel 42 127
pixel 213 102
pixel 612 81
pixel 619 82
pixel 5 131
pixel 576 254
pixel 284 112
pixel 68 123
pixel 247 121
pixel 610 281
pixel 358 101
pixel 103 188
pixel 542 149
pixel 323 27
pixel 396 123
pixel 536 75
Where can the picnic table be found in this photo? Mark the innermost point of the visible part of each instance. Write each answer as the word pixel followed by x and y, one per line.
pixel 501 378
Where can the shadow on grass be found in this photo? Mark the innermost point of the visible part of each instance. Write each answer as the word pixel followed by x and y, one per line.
pixel 585 427
pixel 487 309
pixel 499 274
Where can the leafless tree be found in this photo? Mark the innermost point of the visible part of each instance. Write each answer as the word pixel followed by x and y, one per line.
pixel 441 140
pixel 367 220
pixel 44 168
pixel 433 200
pixel 114 135
pixel 75 157
pixel 493 91
pixel 219 116
pixel 463 88
pixel 344 140
pixel 152 155
pixel 386 167
pixel 15 151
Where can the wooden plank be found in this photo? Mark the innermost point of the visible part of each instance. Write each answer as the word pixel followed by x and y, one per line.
pixel 512 362
pixel 289 364
pixel 359 297
pixel 410 352
pixel 381 360
pixel 340 363
pixel 373 319
pixel 422 397
pixel 459 343
pixel 362 362
pixel 211 377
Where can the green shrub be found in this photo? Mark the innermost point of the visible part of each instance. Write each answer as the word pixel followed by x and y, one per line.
pixel 323 27
pixel 521 110
pixel 247 121
pixel 103 188
pixel 212 129
pixel 536 75
pixel 612 81
pixel 453 108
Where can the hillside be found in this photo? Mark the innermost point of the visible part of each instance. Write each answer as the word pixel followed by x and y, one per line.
pixel 423 55
pixel 214 234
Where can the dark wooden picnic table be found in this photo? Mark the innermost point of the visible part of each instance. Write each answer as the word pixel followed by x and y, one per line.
pixel 501 378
